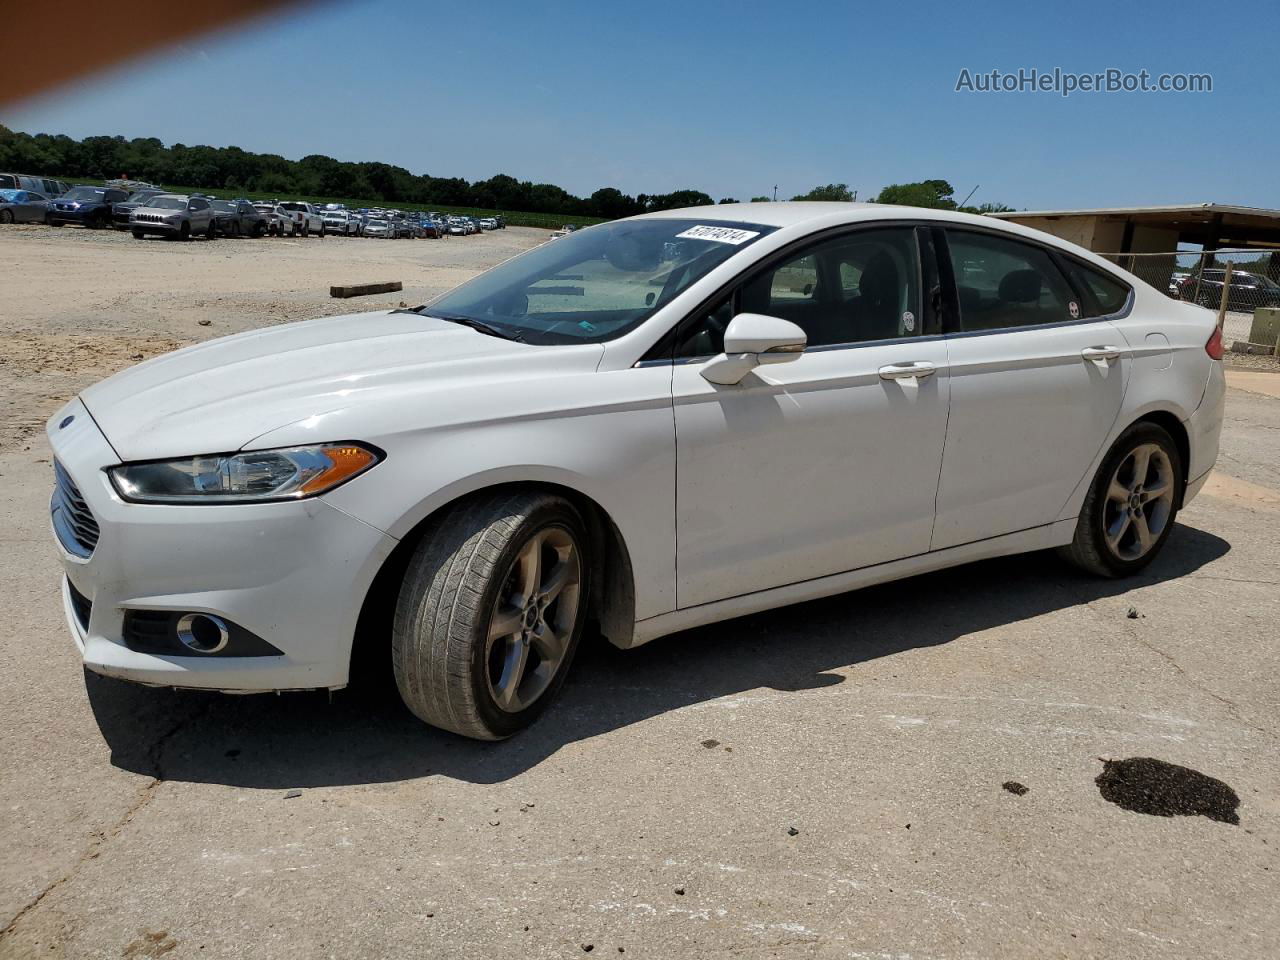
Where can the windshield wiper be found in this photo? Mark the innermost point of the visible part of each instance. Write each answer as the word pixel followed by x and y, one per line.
pixel 479 325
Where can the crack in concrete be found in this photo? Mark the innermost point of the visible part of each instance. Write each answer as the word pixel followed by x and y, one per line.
pixel 94 850
pixel 1232 707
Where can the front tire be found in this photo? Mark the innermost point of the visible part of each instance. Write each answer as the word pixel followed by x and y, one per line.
pixel 491 612
pixel 139 235
pixel 184 232
pixel 1132 504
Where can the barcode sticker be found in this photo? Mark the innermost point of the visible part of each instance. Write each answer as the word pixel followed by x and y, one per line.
pixel 718 234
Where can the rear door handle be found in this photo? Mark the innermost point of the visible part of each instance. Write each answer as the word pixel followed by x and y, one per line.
pixel 1100 353
pixel 907 371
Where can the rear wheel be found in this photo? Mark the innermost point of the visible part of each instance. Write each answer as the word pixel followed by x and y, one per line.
pixel 6 216
pixel 491 612
pixel 1130 509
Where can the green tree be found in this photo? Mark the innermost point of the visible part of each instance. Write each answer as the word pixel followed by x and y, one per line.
pixel 760 200
pixel 832 191
pixel 927 193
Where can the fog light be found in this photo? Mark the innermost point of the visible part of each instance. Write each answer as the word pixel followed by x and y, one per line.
pixel 203 632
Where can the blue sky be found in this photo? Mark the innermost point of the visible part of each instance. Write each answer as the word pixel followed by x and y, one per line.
pixel 730 98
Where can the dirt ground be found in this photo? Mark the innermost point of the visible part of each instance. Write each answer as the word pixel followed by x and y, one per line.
pixel 838 779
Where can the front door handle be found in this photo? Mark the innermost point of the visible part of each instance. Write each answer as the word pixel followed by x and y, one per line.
pixel 908 371
pixel 1100 353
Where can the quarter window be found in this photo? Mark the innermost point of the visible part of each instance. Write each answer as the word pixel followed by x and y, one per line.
pixel 1103 294
pixel 1003 283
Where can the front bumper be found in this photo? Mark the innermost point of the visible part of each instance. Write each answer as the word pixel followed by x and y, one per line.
pixel 156 226
pixel 294 574
pixel 73 216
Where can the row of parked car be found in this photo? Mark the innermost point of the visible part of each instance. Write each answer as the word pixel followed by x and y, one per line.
pixel 144 210
pixel 1246 292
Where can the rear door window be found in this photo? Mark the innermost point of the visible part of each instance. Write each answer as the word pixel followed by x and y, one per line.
pixel 1003 284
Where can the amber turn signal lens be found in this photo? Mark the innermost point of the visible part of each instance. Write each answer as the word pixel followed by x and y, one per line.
pixel 346 462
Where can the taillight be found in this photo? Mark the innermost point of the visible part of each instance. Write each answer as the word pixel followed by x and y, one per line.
pixel 1214 346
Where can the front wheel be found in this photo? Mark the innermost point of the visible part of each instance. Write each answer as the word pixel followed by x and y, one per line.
pixel 323 228
pixel 491 612
pixel 184 232
pixel 139 235
pixel 1131 506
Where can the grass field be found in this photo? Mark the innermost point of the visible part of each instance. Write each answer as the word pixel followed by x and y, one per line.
pixel 514 218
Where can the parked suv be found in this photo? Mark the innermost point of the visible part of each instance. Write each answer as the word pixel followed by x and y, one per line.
pixel 43 185
pixel 174 215
pixel 278 221
pixel 340 221
pixel 303 218
pixel 120 211
pixel 89 206
pixel 238 218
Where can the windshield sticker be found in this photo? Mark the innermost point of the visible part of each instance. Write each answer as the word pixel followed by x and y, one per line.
pixel 718 234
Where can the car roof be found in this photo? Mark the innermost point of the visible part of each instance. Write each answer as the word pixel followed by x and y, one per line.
pixel 789 213
pixel 822 215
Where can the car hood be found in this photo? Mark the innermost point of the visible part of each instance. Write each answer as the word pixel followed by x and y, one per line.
pixel 219 396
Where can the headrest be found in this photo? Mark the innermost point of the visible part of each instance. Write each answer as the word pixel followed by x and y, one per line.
pixel 879 280
pixel 1020 286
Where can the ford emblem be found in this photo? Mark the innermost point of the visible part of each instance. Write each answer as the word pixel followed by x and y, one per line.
pixel 66 422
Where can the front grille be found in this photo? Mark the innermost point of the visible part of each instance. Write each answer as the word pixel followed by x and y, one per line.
pixel 81 606
pixel 72 519
pixel 149 217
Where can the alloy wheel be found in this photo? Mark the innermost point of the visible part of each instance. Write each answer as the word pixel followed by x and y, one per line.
pixel 1139 502
pixel 533 619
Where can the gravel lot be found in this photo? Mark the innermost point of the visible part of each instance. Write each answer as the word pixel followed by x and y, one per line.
pixel 821 781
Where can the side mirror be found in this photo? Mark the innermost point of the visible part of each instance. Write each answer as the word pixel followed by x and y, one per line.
pixel 752 339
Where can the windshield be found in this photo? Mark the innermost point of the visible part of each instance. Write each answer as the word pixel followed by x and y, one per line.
pixel 294 206
pixel 142 196
pixel 8 196
pixel 84 193
pixel 223 206
pixel 167 203
pixel 376 223
pixel 596 284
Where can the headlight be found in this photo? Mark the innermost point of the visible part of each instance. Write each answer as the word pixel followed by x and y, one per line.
pixel 291 473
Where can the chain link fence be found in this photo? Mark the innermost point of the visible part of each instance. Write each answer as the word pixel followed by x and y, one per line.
pixel 1199 277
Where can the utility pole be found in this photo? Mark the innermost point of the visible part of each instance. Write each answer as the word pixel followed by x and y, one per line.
pixel 775 193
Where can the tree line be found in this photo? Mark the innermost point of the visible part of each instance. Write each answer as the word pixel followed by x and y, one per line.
pixel 269 174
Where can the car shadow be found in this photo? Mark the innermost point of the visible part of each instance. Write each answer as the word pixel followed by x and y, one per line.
pixel 365 735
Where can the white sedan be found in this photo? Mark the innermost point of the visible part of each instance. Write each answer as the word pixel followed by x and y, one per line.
pixel 648 425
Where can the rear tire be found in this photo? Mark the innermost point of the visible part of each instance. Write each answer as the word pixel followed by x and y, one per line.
pixel 1131 505
pixel 491 612
pixel 6 216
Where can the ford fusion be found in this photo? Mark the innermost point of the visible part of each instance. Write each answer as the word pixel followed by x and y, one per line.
pixel 645 426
